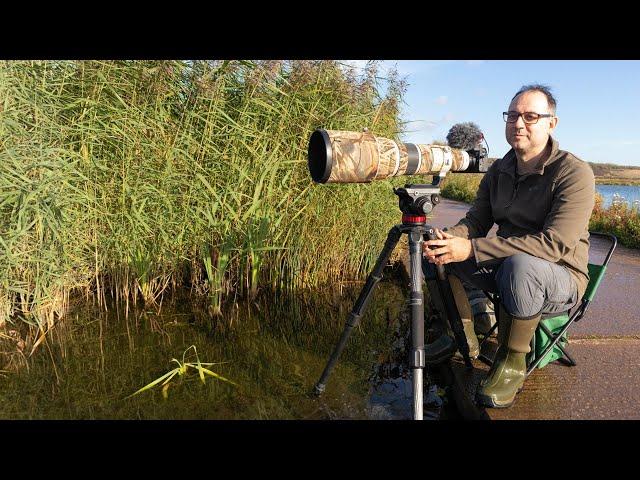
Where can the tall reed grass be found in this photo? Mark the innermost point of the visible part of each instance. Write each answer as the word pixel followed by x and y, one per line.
pixel 125 179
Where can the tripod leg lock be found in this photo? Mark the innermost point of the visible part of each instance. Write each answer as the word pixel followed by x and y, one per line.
pixel 418 359
pixel 353 320
pixel 415 299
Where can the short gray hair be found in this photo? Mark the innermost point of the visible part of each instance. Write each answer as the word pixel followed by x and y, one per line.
pixel 551 101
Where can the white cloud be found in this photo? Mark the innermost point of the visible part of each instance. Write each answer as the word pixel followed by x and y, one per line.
pixel 474 63
pixel 421 125
pixel 419 131
pixel 424 126
pixel 442 100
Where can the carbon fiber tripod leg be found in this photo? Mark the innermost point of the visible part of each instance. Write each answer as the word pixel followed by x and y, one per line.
pixel 361 304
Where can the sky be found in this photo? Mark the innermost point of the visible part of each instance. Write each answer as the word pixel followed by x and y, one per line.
pixel 598 101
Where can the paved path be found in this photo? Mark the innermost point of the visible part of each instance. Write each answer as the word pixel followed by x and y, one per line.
pixel 605 344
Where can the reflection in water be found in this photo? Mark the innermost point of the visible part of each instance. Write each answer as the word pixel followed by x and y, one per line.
pixel 274 348
pixel 393 400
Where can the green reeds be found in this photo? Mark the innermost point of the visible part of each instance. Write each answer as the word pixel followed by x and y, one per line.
pixel 126 179
pixel 461 186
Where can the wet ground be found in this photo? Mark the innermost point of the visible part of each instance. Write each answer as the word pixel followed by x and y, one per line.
pixel 605 384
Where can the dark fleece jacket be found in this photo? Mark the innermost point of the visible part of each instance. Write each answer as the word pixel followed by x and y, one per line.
pixel 544 213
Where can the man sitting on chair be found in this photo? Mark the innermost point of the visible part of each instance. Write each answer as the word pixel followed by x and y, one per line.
pixel 541 198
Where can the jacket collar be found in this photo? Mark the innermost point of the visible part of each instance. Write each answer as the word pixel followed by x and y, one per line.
pixel 508 164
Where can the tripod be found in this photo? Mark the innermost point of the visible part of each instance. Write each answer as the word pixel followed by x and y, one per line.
pixel 415 202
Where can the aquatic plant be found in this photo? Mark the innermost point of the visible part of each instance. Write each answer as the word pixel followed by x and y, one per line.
pixel 181 371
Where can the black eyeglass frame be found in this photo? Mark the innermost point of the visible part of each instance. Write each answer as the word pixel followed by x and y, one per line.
pixel 505 116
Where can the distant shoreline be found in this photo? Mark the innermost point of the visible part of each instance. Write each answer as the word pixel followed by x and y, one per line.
pixel 617 181
pixel 611 174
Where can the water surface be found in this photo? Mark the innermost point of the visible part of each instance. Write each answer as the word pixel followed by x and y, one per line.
pixel 274 349
pixel 628 193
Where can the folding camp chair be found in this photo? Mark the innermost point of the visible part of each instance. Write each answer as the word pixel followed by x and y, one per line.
pixel 549 342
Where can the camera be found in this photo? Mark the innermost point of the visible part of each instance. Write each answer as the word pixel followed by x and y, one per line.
pixel 339 156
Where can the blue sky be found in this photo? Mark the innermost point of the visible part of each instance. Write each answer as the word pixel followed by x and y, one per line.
pixel 598 101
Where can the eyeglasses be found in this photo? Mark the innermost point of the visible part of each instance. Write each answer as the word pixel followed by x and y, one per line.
pixel 528 117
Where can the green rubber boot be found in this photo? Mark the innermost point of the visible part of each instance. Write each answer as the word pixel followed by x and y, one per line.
pixel 466 315
pixel 507 374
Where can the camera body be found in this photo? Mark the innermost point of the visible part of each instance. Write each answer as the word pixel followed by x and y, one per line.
pixel 479 161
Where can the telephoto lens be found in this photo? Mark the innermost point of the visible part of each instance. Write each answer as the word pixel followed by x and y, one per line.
pixel 338 156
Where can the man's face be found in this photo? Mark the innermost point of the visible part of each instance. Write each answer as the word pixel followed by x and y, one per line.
pixel 530 138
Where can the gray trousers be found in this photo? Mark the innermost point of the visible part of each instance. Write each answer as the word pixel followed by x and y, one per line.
pixel 527 285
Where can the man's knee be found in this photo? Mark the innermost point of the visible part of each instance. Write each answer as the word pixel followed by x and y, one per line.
pixel 519 284
pixel 519 264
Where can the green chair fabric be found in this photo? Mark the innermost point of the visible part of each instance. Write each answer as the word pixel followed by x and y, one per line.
pixel 541 339
pixel 555 324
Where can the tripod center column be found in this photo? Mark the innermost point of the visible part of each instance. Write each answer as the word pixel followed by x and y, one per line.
pixel 416 301
pixel 416 298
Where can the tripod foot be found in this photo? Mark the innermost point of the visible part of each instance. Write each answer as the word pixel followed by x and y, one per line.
pixel 318 389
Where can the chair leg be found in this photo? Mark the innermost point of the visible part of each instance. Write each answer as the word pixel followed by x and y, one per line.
pixel 554 340
pixel 566 359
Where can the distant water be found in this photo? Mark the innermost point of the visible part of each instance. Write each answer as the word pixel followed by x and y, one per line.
pixel 626 193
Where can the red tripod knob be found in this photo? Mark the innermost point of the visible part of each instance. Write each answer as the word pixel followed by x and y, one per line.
pixel 413 218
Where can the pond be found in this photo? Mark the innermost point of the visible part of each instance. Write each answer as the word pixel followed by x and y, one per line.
pixel 620 193
pixel 273 349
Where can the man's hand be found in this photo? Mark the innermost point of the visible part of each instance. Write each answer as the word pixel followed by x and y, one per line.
pixel 448 248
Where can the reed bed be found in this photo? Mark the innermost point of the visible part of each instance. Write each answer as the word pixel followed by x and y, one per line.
pixel 124 180
pixel 620 219
pixel 461 186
